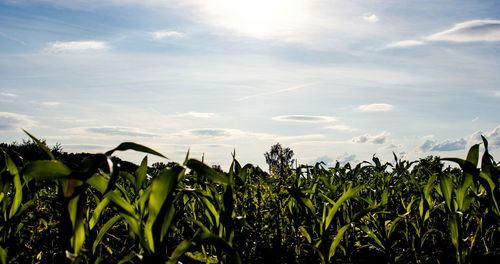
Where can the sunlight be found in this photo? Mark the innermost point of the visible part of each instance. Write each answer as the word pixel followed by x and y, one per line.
pixel 257 18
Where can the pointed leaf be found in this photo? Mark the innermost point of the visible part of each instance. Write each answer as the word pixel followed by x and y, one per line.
pixel 103 231
pixel 337 240
pixel 41 145
pixel 46 170
pixel 163 184
pixel 134 146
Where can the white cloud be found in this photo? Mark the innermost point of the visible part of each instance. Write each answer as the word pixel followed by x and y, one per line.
pixel 12 121
pixel 427 145
pixel 50 103
pixel 375 108
pixel 345 158
pixel 492 136
pixel 431 144
pixel 367 138
pixel 327 160
pixel 166 33
pixel 341 128
pixel 196 115
pixel 406 43
pixel 450 145
pixel 76 46
pixel 497 94
pixel 470 31
pixel 342 159
pixel 305 118
pixel 120 131
pixel 276 91
pixel 475 119
pixel 370 17
pixel 8 94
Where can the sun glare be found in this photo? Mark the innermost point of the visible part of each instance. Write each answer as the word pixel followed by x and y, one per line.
pixel 257 18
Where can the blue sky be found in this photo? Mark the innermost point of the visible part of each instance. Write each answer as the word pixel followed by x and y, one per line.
pixel 333 80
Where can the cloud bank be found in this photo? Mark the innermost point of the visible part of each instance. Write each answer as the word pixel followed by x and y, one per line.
pixel 493 138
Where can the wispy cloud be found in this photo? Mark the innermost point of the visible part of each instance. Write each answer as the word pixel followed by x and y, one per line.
pixel 468 31
pixel 370 17
pixel 120 131
pixel 211 132
pixel 11 121
pixel 51 103
pixel 195 115
pixel 12 38
pixel 8 94
pixel 341 128
pixel 497 94
pixel 76 46
pixel 276 91
pixel 166 34
pixel 305 118
pixel 475 119
pixel 406 43
pixel 375 107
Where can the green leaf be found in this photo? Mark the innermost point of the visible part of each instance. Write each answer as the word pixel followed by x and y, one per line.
pixel 447 189
pixel 99 181
pixel 97 212
pixel 345 196
pixel 78 222
pixel 134 146
pixel 18 197
pixel 211 208
pixel 204 170
pixel 373 236
pixel 3 255
pixel 304 232
pixel 167 221
pixel 163 184
pixel 473 155
pixel 200 257
pixel 301 198
pixel 336 240
pixel 490 187
pixel 140 174
pixel 46 170
pixel 452 223
pixel 41 145
pixel 179 251
pixel 116 198
pixel 103 231
pixel 218 242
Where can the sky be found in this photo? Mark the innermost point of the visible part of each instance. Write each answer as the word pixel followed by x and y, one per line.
pixel 332 80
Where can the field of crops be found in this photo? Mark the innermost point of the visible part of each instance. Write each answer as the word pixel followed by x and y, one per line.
pixel 96 209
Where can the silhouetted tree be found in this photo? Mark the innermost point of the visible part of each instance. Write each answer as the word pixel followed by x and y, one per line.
pixel 279 158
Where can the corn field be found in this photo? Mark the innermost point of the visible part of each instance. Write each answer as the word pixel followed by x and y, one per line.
pixel 97 211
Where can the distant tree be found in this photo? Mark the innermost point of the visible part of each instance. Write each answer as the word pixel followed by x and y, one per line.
pixel 279 158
